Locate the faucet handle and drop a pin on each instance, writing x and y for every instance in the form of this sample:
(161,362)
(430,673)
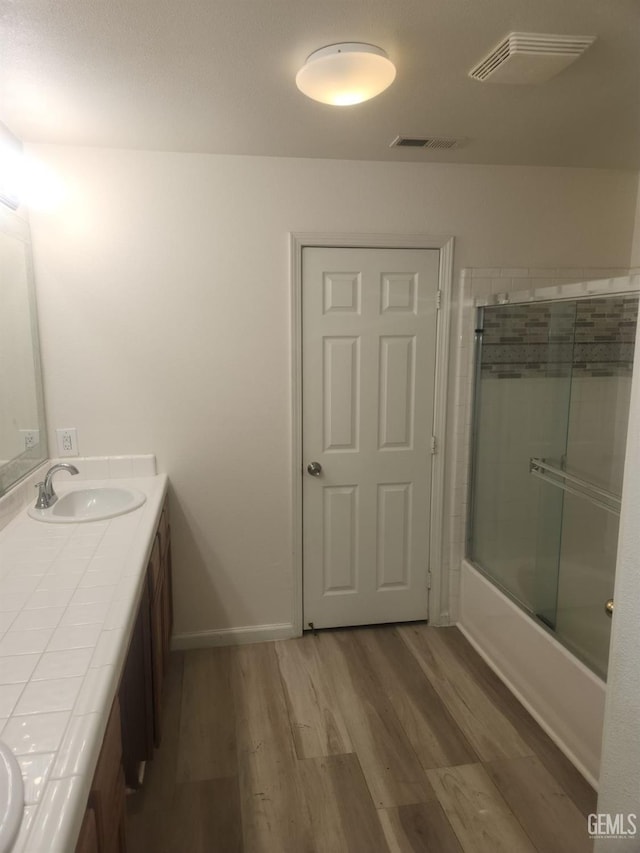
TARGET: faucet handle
(41,502)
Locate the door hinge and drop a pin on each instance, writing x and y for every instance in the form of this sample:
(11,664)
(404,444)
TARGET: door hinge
(438,300)
(434,445)
(428,580)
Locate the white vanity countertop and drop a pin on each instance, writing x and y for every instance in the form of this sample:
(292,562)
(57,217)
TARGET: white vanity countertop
(68,600)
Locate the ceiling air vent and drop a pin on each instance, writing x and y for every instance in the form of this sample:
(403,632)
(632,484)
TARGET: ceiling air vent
(530,58)
(434,142)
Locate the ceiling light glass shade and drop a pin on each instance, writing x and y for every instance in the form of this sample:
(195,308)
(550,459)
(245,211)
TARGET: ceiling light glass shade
(345,74)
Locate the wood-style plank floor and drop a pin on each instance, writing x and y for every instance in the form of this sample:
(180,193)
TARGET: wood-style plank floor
(365,740)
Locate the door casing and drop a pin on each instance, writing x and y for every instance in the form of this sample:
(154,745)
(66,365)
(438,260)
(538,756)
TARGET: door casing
(439,593)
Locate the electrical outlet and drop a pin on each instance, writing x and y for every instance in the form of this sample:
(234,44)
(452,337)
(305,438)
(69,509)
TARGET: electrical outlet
(31,438)
(67,441)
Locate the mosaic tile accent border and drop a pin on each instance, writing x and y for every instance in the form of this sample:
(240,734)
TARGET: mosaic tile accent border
(592,337)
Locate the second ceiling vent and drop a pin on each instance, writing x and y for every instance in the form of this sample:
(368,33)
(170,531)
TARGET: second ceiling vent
(441,143)
(530,57)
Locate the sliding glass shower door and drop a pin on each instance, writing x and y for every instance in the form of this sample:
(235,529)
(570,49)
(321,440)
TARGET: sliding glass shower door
(522,411)
(596,442)
(552,398)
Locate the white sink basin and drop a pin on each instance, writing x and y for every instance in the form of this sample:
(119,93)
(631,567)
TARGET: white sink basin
(90,505)
(11,798)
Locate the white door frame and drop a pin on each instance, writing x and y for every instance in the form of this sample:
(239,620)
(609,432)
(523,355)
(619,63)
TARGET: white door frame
(439,593)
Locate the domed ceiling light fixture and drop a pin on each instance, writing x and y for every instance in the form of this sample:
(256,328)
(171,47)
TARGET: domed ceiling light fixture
(346,74)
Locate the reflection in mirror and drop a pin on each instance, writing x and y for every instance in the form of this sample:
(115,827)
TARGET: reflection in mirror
(22,425)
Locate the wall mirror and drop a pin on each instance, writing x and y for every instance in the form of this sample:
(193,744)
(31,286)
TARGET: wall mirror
(23,439)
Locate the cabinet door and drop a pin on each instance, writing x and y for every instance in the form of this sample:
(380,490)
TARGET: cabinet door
(88,838)
(156,614)
(107,790)
(164,531)
(157,663)
(153,570)
(160,615)
(136,697)
(167,607)
(116,839)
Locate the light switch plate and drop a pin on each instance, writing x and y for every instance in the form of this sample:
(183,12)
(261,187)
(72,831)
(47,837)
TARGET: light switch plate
(67,439)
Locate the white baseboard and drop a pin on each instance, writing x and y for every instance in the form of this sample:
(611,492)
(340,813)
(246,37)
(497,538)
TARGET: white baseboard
(233,636)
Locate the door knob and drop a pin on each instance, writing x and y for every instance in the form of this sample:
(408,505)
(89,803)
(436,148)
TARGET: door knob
(608,607)
(314,468)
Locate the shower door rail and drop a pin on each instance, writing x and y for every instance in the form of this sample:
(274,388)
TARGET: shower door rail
(575,485)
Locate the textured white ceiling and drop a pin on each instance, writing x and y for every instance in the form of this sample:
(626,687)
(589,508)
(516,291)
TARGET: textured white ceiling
(218,76)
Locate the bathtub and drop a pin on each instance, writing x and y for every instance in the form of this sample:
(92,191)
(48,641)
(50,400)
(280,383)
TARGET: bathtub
(557,689)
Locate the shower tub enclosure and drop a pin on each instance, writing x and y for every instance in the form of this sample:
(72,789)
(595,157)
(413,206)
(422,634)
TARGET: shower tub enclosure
(552,391)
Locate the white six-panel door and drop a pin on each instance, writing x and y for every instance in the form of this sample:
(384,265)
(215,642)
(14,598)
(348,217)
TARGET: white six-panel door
(369,357)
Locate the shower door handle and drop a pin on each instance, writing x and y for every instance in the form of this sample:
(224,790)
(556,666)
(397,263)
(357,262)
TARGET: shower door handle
(608,607)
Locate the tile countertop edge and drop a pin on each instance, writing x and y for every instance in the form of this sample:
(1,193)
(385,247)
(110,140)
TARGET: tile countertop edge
(54,824)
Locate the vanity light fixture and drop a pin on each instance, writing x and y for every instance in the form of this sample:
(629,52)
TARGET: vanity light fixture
(346,74)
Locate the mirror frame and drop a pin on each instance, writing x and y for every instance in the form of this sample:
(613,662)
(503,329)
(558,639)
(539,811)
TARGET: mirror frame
(16,226)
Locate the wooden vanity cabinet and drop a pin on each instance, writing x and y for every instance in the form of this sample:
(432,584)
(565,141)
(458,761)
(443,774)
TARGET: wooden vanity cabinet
(142,685)
(161,616)
(88,838)
(107,797)
(136,697)
(135,721)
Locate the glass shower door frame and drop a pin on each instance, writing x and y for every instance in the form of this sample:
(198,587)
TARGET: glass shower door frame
(574,570)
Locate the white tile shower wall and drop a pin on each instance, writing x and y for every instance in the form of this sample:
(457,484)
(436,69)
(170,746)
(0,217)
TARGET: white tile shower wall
(474,285)
(90,468)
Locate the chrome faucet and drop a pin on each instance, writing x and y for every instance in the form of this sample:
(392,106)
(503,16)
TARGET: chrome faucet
(46,495)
